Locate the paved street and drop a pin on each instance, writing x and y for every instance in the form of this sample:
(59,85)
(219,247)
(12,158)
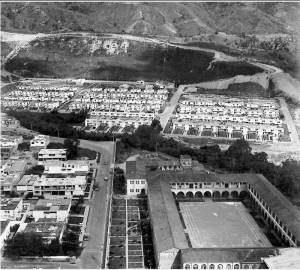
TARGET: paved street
(92,255)
(289,121)
(172,104)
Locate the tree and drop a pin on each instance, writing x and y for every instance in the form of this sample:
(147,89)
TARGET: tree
(70,244)
(54,248)
(24,146)
(71,144)
(24,244)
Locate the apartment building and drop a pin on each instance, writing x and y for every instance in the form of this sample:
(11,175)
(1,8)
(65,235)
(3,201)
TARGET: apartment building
(60,185)
(51,154)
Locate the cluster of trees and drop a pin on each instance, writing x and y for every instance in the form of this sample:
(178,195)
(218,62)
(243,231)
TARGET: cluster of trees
(55,123)
(237,159)
(119,182)
(32,244)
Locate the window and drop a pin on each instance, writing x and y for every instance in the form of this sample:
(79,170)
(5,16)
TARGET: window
(220,266)
(137,182)
(254,266)
(131,182)
(137,190)
(236,266)
(195,266)
(212,266)
(187,266)
(143,182)
(246,266)
(131,190)
(203,266)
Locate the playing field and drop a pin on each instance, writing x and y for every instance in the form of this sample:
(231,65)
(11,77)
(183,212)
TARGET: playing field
(221,224)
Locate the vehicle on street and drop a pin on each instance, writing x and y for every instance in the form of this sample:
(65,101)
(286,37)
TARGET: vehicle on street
(105,162)
(105,178)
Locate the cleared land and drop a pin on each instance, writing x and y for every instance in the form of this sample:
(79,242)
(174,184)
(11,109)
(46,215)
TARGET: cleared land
(221,224)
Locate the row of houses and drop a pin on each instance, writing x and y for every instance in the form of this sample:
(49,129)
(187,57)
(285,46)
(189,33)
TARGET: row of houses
(230,130)
(183,109)
(230,118)
(203,100)
(38,96)
(122,99)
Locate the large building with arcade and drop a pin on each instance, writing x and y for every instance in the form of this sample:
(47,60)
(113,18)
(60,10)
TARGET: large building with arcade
(199,219)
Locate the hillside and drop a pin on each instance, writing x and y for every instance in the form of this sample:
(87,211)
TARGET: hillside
(170,19)
(105,58)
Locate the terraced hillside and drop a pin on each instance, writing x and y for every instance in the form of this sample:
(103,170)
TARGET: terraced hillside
(106,58)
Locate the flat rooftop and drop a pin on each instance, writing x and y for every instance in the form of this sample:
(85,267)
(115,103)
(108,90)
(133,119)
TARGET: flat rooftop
(221,225)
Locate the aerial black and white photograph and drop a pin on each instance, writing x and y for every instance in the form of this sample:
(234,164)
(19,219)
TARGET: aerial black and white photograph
(150,135)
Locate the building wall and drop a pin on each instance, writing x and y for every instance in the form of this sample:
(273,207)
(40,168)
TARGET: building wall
(135,186)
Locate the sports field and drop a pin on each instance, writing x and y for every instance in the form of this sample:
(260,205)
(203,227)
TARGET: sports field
(221,224)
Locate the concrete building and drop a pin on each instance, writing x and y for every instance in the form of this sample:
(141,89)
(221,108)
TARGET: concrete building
(40,142)
(186,161)
(8,184)
(26,184)
(11,208)
(10,141)
(78,167)
(54,208)
(51,155)
(60,185)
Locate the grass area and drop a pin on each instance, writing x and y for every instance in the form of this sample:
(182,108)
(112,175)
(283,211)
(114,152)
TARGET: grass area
(206,141)
(8,88)
(118,215)
(242,90)
(144,60)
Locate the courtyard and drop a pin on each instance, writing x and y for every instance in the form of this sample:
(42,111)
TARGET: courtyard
(221,225)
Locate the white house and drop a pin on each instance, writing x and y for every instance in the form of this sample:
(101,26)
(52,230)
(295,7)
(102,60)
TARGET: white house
(54,208)
(135,178)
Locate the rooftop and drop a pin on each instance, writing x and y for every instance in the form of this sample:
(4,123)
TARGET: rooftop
(28,180)
(135,170)
(289,258)
(15,166)
(53,151)
(52,205)
(3,225)
(167,226)
(46,229)
(10,204)
(76,180)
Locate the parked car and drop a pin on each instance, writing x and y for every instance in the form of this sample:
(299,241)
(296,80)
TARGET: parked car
(105,178)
